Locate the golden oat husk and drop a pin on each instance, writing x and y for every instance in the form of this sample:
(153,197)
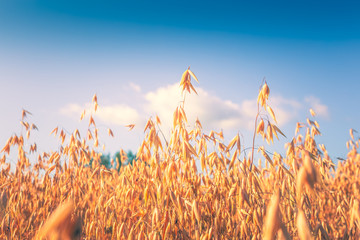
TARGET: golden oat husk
(260,127)
(303,226)
(312,112)
(272,218)
(162,195)
(60,224)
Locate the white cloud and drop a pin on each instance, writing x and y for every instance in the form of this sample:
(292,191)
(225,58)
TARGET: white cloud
(118,114)
(285,109)
(71,110)
(135,87)
(320,109)
(215,113)
(163,101)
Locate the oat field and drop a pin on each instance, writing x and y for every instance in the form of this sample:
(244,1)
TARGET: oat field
(193,185)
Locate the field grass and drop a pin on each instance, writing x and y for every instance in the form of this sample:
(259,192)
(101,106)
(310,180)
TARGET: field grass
(300,194)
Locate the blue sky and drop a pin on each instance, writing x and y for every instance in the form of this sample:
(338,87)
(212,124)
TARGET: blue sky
(54,55)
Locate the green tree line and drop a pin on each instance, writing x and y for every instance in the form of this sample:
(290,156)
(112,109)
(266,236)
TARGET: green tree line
(116,160)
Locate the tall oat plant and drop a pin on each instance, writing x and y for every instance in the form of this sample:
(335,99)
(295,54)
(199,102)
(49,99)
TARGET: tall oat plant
(300,194)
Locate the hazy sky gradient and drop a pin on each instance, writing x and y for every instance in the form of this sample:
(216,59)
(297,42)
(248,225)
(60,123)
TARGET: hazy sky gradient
(55,55)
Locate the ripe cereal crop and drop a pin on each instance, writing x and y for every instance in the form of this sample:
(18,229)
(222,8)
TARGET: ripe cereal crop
(300,194)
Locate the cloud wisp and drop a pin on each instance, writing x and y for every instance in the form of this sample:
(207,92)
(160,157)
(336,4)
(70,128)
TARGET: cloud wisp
(214,112)
(320,109)
(116,114)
